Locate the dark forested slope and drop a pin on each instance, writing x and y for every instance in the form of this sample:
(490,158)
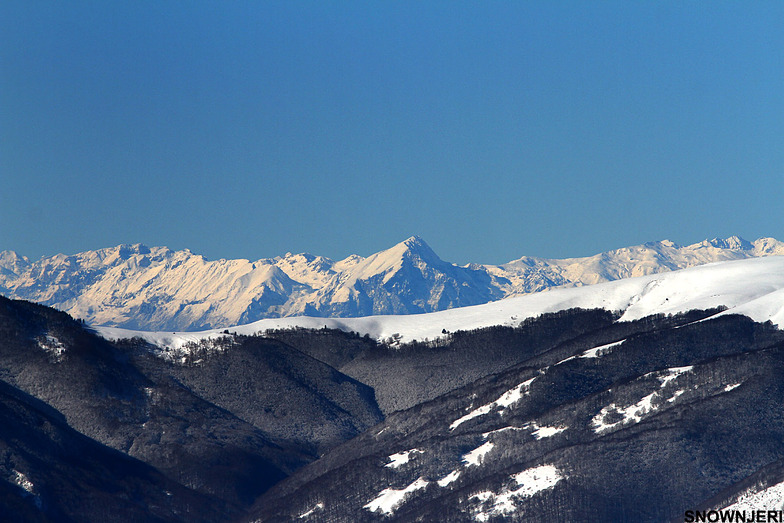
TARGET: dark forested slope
(573,416)
(230,426)
(641,429)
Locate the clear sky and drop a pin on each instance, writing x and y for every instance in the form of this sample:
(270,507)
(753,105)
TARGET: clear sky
(491,129)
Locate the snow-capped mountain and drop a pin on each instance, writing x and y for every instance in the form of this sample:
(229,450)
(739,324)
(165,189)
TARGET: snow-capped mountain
(752,287)
(528,274)
(138,287)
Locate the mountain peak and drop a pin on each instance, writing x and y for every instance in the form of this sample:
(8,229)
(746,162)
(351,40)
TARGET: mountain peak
(127,250)
(415,246)
(415,243)
(735,243)
(12,263)
(12,256)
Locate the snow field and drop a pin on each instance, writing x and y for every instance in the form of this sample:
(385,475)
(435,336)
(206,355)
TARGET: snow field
(390,499)
(529,482)
(771,498)
(401,458)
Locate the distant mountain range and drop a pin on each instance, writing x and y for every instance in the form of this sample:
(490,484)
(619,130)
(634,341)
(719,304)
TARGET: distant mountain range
(138,287)
(753,287)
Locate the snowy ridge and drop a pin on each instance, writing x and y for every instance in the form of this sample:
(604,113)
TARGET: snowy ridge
(753,287)
(155,288)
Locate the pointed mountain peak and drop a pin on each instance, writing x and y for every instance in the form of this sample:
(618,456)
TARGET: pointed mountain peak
(12,264)
(13,256)
(415,246)
(389,261)
(768,246)
(413,243)
(414,240)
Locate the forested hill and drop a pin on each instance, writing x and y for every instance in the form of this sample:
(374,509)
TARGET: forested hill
(573,415)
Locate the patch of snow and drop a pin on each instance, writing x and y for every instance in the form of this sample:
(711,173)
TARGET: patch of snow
(762,308)
(481,411)
(449,478)
(52,346)
(632,413)
(671,374)
(635,413)
(514,395)
(401,458)
(570,358)
(390,499)
(308,513)
(476,456)
(497,431)
(21,480)
(530,482)
(536,480)
(546,432)
(771,498)
(506,400)
(538,432)
(182,350)
(675,396)
(601,350)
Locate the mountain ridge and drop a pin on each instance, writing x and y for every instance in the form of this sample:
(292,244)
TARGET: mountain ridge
(752,287)
(155,288)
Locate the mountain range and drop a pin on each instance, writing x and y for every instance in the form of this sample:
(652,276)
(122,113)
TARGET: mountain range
(753,288)
(641,399)
(138,287)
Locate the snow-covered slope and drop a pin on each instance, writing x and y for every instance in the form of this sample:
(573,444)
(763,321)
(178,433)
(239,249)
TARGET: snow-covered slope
(137,287)
(528,275)
(753,287)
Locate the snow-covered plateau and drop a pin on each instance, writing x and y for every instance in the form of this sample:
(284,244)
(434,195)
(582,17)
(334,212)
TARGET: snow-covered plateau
(752,287)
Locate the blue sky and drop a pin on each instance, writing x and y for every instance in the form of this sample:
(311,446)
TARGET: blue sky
(491,129)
